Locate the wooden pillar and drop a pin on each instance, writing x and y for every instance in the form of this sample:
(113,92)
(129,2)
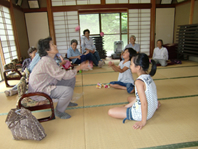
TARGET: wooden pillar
(191,11)
(51,20)
(152,27)
(15,31)
(103,2)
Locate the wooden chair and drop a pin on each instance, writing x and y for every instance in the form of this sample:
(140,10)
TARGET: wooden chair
(11,73)
(33,105)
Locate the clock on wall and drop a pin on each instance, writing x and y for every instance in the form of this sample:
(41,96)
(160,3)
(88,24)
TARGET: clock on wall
(33,4)
(19,2)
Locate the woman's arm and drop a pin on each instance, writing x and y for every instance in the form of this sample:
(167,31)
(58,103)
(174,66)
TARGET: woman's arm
(144,105)
(165,54)
(75,57)
(93,46)
(63,62)
(56,72)
(138,48)
(83,44)
(153,53)
(69,54)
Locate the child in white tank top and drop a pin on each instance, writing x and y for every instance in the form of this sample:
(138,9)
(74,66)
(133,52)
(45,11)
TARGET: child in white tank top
(144,104)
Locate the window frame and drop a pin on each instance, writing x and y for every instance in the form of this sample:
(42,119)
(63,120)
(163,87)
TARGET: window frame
(100,23)
(7,35)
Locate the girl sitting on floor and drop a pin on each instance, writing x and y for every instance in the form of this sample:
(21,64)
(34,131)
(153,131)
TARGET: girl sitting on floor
(143,106)
(125,78)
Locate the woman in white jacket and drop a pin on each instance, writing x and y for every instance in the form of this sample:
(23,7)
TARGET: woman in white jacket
(160,54)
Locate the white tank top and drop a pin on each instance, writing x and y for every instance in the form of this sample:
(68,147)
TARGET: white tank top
(151,96)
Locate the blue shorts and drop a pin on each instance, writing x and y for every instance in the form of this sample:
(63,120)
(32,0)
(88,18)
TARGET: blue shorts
(129,86)
(128,115)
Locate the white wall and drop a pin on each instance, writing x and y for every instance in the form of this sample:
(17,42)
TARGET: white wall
(165,24)
(37,27)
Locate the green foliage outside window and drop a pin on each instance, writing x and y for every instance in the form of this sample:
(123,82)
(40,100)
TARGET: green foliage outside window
(110,25)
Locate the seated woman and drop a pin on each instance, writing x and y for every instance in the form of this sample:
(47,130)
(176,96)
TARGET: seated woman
(133,45)
(160,54)
(74,54)
(49,78)
(88,46)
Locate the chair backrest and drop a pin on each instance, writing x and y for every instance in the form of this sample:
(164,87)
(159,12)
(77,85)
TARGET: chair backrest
(9,66)
(15,61)
(22,87)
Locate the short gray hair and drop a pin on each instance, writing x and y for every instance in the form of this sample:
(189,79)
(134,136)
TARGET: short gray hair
(133,36)
(31,49)
(74,41)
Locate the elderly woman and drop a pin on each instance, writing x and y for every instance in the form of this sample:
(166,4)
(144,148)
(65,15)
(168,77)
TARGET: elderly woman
(88,46)
(49,78)
(160,54)
(74,54)
(133,45)
(31,52)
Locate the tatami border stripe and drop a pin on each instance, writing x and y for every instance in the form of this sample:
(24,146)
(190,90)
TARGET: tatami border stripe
(175,146)
(157,68)
(111,104)
(153,79)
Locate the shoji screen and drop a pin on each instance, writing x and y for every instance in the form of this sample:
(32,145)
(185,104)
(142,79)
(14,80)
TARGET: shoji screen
(64,24)
(139,25)
(127,1)
(6,35)
(139,1)
(74,2)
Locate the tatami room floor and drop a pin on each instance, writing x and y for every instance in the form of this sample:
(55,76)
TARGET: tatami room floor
(174,125)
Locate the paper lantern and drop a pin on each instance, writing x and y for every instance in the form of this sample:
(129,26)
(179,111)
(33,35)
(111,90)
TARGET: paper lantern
(77,28)
(101,34)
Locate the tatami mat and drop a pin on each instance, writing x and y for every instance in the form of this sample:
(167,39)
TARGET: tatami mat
(60,134)
(3,86)
(179,71)
(174,123)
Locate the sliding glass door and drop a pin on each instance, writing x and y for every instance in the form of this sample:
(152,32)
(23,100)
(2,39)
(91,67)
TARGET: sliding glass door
(114,26)
(110,25)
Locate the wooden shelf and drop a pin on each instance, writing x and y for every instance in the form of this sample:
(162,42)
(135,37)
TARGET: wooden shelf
(187,38)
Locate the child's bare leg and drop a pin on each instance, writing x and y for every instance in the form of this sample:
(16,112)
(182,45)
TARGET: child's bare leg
(159,104)
(131,98)
(118,86)
(133,91)
(117,112)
